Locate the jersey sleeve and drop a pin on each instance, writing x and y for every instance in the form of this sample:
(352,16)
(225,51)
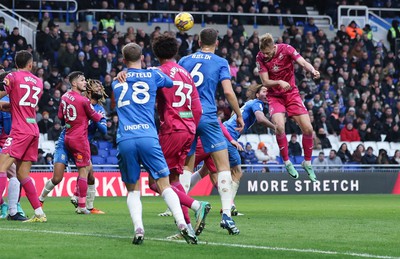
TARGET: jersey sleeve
(8,81)
(224,72)
(102,124)
(162,80)
(292,52)
(257,106)
(262,68)
(91,112)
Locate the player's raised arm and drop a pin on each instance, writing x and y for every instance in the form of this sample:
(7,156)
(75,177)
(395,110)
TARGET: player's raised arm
(308,67)
(260,117)
(231,97)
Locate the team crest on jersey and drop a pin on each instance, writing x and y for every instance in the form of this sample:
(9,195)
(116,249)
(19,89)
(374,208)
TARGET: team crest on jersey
(275,68)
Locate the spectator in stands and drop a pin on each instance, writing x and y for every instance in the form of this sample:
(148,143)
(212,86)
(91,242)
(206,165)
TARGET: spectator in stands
(393,135)
(54,132)
(310,26)
(344,153)
(45,123)
(342,35)
(358,153)
(383,158)
(40,159)
(333,159)
(349,133)
(322,139)
(396,158)
(325,124)
(249,155)
(320,163)
(294,147)
(263,155)
(16,39)
(4,30)
(107,22)
(49,159)
(353,30)
(393,34)
(369,158)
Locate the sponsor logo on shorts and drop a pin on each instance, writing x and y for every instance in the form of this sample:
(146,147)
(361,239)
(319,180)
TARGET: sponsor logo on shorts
(136,127)
(218,144)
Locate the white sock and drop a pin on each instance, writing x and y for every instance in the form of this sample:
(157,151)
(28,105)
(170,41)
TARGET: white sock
(172,200)
(225,191)
(91,194)
(194,179)
(185,180)
(287,162)
(13,195)
(235,187)
(307,162)
(48,187)
(135,209)
(195,205)
(39,211)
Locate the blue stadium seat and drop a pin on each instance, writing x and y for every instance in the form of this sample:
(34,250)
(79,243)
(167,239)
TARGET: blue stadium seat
(113,152)
(298,160)
(104,145)
(112,160)
(103,153)
(98,160)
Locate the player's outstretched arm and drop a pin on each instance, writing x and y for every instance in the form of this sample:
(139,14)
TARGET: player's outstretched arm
(260,117)
(231,97)
(308,67)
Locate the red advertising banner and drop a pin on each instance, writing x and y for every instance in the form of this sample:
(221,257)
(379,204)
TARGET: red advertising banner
(107,184)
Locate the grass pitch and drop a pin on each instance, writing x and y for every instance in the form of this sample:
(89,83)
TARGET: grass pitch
(286,226)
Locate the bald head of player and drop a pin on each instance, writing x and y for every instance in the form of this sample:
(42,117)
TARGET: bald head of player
(132,54)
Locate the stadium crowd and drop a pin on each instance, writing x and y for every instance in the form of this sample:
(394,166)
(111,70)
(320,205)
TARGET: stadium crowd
(356,98)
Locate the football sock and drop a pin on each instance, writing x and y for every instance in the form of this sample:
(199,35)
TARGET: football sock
(91,194)
(307,142)
(188,201)
(3,183)
(31,193)
(82,191)
(185,180)
(283,146)
(225,191)
(48,187)
(194,179)
(235,187)
(172,201)
(135,208)
(13,195)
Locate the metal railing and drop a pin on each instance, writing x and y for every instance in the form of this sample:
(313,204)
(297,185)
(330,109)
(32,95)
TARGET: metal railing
(258,168)
(380,10)
(256,16)
(26,27)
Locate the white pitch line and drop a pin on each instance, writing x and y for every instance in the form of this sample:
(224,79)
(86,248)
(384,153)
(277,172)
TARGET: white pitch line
(314,251)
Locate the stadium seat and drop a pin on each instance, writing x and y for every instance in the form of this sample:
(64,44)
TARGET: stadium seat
(335,146)
(48,146)
(103,153)
(242,139)
(394,145)
(112,160)
(315,152)
(113,152)
(267,138)
(253,138)
(354,144)
(333,139)
(327,151)
(298,160)
(98,160)
(104,145)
